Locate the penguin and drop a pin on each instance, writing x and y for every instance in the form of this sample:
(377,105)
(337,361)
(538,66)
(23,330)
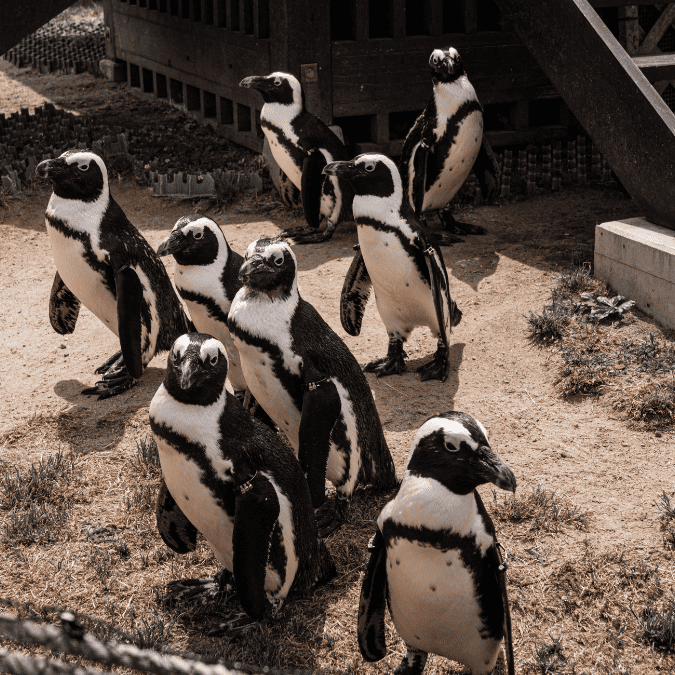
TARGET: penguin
(400,259)
(308,382)
(435,557)
(443,145)
(104,263)
(302,145)
(207,278)
(229,477)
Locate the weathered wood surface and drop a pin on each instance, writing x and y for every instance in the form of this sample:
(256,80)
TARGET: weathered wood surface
(392,75)
(624,3)
(656,68)
(604,88)
(20,19)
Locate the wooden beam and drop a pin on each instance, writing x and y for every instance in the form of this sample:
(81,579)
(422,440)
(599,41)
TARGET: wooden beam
(623,3)
(657,30)
(658,67)
(611,98)
(629,28)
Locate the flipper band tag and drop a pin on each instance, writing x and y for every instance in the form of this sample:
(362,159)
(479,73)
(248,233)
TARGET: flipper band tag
(315,385)
(245,487)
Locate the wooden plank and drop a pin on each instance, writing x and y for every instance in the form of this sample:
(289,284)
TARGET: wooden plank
(470,12)
(397,18)
(656,68)
(611,98)
(203,52)
(434,16)
(389,79)
(623,3)
(629,28)
(361,29)
(657,30)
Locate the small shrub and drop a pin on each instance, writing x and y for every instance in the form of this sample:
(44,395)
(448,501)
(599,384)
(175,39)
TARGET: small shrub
(658,624)
(146,459)
(39,524)
(549,326)
(142,498)
(549,657)
(667,518)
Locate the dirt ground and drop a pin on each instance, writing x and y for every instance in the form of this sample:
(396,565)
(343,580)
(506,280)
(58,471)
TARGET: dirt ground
(580,449)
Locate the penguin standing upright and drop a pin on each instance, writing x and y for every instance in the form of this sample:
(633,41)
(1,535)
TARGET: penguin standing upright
(103,263)
(307,381)
(402,262)
(443,145)
(207,278)
(302,145)
(435,558)
(230,477)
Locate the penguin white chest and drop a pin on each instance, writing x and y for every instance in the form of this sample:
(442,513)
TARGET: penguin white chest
(457,163)
(404,299)
(433,604)
(184,479)
(86,284)
(282,156)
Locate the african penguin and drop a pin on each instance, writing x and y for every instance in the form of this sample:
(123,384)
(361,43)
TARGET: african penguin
(443,144)
(435,557)
(104,263)
(228,476)
(302,145)
(207,278)
(307,381)
(402,262)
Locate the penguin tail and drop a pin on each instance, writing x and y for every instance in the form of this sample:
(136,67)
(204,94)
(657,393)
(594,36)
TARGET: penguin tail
(380,470)
(325,568)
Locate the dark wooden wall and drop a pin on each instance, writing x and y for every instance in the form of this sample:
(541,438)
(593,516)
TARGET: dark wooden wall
(363,63)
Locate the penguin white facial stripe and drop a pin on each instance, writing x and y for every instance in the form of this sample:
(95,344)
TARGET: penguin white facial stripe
(285,522)
(85,158)
(212,348)
(453,429)
(196,227)
(180,345)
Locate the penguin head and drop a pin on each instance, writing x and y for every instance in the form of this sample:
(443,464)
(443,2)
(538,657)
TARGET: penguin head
(445,65)
(453,448)
(196,369)
(80,175)
(281,88)
(369,174)
(194,240)
(269,267)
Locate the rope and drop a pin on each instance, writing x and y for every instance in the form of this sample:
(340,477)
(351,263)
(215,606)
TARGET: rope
(20,664)
(88,647)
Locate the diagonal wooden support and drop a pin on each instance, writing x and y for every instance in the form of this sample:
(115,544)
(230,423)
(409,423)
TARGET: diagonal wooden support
(657,30)
(620,110)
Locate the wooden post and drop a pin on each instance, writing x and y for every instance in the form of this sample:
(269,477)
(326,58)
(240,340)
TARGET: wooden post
(361,29)
(629,28)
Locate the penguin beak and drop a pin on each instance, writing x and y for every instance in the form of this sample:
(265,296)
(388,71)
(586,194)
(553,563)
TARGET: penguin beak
(174,243)
(495,470)
(52,168)
(258,82)
(188,370)
(341,169)
(254,267)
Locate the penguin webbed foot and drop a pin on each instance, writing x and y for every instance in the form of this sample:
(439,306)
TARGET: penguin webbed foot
(456,227)
(331,515)
(293,232)
(413,662)
(391,364)
(110,363)
(204,588)
(113,383)
(438,368)
(240,622)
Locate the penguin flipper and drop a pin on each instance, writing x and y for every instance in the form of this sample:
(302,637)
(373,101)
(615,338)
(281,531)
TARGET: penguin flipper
(354,296)
(420,158)
(129,296)
(64,307)
(321,407)
(311,187)
(256,513)
(486,168)
(371,635)
(501,566)
(178,533)
(443,305)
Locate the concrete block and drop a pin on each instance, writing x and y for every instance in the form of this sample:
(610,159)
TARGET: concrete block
(637,258)
(112,70)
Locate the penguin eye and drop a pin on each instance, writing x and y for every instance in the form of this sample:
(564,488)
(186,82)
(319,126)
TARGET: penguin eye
(278,259)
(370,166)
(277,82)
(450,446)
(83,167)
(197,235)
(214,359)
(435,60)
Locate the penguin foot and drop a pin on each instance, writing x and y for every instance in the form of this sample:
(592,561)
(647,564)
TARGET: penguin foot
(294,232)
(446,239)
(456,227)
(110,385)
(438,368)
(235,625)
(332,514)
(315,238)
(106,365)
(205,588)
(413,662)
(392,363)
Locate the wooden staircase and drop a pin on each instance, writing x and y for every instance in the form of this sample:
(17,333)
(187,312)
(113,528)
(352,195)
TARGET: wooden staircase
(606,84)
